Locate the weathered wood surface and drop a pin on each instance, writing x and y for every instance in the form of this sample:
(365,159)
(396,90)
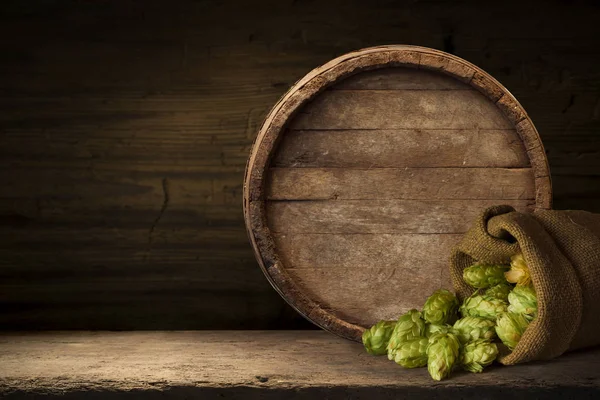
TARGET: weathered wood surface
(103,100)
(401,183)
(379,216)
(400,109)
(258,364)
(396,256)
(400,79)
(361,251)
(374,276)
(401,148)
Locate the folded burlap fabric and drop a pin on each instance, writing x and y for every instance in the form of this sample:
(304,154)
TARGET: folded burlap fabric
(562,250)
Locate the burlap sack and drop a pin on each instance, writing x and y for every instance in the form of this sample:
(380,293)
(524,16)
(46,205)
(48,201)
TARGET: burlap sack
(562,250)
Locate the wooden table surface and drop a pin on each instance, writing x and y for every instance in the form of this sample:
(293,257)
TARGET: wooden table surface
(257,364)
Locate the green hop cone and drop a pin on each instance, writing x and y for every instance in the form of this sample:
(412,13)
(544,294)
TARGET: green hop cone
(442,354)
(483,306)
(409,326)
(523,300)
(510,327)
(499,291)
(412,353)
(483,276)
(431,329)
(478,354)
(468,329)
(440,307)
(377,337)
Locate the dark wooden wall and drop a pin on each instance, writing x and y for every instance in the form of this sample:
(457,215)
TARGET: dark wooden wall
(125,127)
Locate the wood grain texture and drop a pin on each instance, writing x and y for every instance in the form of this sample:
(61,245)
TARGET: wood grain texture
(402,109)
(379,216)
(357,251)
(401,183)
(400,79)
(136,92)
(257,365)
(364,271)
(366,293)
(401,148)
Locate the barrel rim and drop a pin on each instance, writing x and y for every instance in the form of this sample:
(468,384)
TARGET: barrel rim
(309,87)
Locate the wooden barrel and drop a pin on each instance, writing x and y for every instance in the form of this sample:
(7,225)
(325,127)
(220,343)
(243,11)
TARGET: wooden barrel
(368,170)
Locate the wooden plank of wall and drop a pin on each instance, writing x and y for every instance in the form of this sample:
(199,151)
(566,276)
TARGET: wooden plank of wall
(102,101)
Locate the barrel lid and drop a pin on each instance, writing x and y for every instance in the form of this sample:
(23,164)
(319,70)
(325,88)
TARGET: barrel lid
(368,170)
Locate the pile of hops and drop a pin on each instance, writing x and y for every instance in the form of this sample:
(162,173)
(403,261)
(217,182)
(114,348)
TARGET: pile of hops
(500,309)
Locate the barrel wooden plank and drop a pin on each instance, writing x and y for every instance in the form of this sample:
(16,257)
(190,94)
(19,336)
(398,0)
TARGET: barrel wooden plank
(369,294)
(400,183)
(379,216)
(376,109)
(400,78)
(403,262)
(356,251)
(401,148)
(329,267)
